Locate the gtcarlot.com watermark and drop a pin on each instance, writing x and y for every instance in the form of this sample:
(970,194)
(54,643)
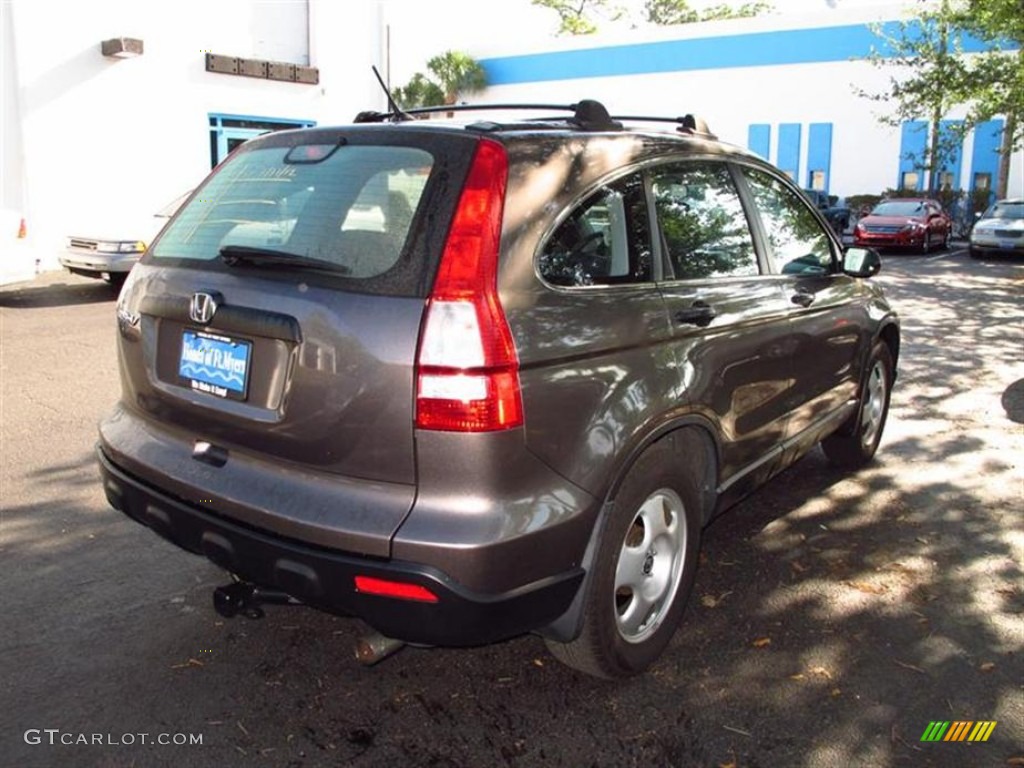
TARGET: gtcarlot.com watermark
(56,737)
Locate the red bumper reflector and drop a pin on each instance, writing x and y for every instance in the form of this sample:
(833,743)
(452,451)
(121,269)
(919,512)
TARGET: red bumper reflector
(398,589)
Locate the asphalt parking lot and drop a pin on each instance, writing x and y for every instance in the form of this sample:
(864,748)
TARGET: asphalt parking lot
(834,617)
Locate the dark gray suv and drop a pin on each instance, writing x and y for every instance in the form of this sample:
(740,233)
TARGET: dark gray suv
(466,380)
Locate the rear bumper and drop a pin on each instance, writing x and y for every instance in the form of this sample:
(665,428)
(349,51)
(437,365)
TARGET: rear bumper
(325,578)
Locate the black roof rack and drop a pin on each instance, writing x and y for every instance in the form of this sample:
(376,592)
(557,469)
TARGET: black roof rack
(587,114)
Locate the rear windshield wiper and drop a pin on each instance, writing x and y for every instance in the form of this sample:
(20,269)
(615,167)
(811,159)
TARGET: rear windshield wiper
(244,255)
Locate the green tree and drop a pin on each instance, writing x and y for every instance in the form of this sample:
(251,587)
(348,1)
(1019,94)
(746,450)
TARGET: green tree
(580,17)
(457,73)
(680,12)
(934,75)
(992,83)
(418,92)
(925,54)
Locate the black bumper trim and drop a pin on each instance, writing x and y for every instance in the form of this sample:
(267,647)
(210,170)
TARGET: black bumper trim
(325,578)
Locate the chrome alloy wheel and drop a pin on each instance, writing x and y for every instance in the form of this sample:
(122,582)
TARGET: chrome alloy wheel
(873,408)
(650,565)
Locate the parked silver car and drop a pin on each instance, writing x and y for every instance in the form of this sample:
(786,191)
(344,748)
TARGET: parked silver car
(1000,230)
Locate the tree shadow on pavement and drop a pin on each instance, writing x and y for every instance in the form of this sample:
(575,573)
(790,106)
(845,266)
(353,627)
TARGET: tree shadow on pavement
(833,618)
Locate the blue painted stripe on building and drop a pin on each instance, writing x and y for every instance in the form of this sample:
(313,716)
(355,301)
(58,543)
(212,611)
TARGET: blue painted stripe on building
(788,159)
(759,139)
(913,144)
(756,49)
(819,152)
(985,156)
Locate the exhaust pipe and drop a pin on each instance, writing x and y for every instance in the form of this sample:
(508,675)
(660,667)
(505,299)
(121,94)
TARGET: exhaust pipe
(241,597)
(374,647)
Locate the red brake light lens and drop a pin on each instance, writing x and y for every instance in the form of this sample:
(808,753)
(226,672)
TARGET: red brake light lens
(467,368)
(398,589)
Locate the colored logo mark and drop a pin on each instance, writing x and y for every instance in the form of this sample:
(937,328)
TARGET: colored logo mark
(958,730)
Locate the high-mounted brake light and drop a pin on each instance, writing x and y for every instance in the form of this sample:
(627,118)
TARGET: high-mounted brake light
(401,590)
(467,376)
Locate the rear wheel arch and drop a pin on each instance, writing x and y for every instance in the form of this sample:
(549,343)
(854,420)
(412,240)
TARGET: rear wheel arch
(687,436)
(622,618)
(890,336)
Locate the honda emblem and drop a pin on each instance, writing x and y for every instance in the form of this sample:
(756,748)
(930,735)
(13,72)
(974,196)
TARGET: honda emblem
(202,308)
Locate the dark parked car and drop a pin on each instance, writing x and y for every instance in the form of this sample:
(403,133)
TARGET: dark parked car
(832,208)
(466,380)
(916,223)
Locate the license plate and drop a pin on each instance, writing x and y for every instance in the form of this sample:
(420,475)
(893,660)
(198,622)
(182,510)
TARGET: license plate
(217,365)
(1007,245)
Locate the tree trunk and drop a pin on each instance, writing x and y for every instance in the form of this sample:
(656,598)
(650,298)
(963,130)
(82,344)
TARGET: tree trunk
(1005,154)
(933,155)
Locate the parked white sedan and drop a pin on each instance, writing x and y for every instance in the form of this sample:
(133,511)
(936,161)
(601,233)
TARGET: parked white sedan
(111,255)
(1000,230)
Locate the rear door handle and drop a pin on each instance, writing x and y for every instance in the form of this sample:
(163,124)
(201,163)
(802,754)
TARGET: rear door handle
(700,313)
(803,298)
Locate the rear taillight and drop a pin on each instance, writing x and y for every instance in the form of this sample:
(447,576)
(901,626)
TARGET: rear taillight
(22,230)
(467,377)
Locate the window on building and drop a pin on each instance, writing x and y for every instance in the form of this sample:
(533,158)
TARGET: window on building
(818,180)
(983,181)
(909,180)
(946,180)
(227,132)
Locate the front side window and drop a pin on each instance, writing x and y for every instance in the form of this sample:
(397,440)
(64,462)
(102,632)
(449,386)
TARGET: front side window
(605,241)
(347,209)
(796,242)
(704,230)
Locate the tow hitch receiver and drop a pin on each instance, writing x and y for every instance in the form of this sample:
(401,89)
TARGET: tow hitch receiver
(240,597)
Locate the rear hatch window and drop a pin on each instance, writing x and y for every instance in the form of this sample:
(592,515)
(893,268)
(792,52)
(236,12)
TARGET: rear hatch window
(316,204)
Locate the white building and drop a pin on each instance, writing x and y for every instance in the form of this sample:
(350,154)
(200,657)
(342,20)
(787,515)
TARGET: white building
(95,140)
(95,144)
(785,86)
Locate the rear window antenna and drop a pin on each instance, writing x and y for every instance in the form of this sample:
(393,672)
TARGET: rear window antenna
(396,111)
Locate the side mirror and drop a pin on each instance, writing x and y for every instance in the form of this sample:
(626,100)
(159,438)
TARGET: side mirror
(861,262)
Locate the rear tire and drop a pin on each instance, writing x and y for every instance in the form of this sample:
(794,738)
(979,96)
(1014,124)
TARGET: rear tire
(644,569)
(855,443)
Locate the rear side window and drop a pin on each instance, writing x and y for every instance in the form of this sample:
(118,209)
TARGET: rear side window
(606,240)
(349,207)
(703,227)
(797,242)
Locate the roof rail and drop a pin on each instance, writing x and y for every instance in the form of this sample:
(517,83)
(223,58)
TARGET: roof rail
(380,117)
(691,124)
(588,114)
